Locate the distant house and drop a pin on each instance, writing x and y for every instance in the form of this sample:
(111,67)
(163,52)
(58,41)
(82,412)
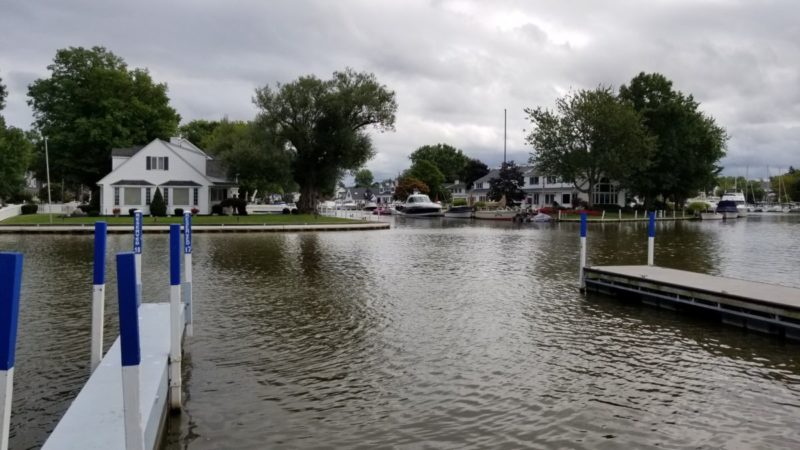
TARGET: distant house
(458,190)
(186,176)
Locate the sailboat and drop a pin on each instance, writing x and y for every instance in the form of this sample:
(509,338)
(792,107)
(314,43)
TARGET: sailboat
(501,210)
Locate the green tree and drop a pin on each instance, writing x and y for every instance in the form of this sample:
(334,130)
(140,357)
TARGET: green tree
(448,159)
(508,183)
(688,143)
(325,125)
(198,131)
(428,173)
(473,170)
(364,178)
(91,103)
(158,207)
(251,154)
(592,135)
(3,95)
(406,185)
(15,154)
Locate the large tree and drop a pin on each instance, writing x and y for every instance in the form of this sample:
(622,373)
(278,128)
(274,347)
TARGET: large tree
(364,178)
(406,185)
(448,159)
(508,184)
(325,124)
(688,143)
(198,131)
(428,173)
(91,103)
(15,154)
(592,135)
(473,169)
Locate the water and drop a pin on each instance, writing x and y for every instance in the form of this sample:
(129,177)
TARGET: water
(435,334)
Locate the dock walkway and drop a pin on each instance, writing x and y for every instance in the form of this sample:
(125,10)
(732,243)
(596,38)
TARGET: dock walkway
(126,229)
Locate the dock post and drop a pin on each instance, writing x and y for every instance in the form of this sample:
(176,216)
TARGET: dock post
(583,251)
(10,283)
(636,214)
(98,293)
(137,250)
(130,350)
(176,330)
(651,239)
(603,217)
(187,271)
(619,211)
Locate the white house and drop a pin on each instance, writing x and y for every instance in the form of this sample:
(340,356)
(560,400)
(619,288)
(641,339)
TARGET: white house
(186,176)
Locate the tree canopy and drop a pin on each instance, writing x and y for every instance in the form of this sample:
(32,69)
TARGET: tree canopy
(428,173)
(3,95)
(364,178)
(199,131)
(449,160)
(591,135)
(15,154)
(91,103)
(508,183)
(406,185)
(688,144)
(473,170)
(324,123)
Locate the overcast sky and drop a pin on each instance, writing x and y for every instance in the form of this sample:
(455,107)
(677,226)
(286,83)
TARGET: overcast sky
(454,65)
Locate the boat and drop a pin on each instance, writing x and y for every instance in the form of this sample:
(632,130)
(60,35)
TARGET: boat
(710,215)
(737,197)
(419,205)
(496,214)
(271,208)
(459,212)
(728,209)
(542,217)
(370,206)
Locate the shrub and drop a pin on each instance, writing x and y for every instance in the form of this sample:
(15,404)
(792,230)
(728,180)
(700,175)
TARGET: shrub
(94,213)
(286,211)
(131,211)
(696,207)
(459,202)
(238,204)
(157,206)
(479,205)
(216,209)
(179,212)
(295,211)
(195,211)
(29,208)
(21,197)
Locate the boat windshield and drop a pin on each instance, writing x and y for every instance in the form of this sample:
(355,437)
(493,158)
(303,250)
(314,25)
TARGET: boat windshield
(419,198)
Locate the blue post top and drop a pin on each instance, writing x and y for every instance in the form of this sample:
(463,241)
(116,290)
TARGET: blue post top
(187,232)
(100,234)
(651,227)
(128,309)
(10,283)
(137,232)
(174,254)
(583,224)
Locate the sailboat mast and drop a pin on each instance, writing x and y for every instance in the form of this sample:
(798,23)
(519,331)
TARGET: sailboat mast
(505,128)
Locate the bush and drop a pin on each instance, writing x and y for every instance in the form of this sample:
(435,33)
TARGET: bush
(216,209)
(29,208)
(157,206)
(295,211)
(21,197)
(286,211)
(131,211)
(94,213)
(179,212)
(195,211)
(459,202)
(696,207)
(238,204)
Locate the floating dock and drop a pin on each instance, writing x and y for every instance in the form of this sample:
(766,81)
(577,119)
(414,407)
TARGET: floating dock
(758,306)
(232,228)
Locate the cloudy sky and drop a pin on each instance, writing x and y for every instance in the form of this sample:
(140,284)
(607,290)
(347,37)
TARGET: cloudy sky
(454,65)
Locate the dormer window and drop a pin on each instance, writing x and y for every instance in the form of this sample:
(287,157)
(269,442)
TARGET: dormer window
(157,163)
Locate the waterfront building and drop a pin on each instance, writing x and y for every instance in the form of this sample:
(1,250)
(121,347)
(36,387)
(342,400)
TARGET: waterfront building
(186,176)
(458,190)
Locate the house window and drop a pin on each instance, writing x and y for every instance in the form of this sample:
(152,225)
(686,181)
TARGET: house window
(566,199)
(116,196)
(534,181)
(218,194)
(133,196)
(536,198)
(549,199)
(166,196)
(180,196)
(146,196)
(552,180)
(196,196)
(605,193)
(157,163)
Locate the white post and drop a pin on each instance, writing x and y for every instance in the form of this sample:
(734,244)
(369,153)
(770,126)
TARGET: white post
(47,168)
(132,409)
(187,272)
(6,391)
(620,214)
(98,294)
(137,250)
(175,319)
(130,351)
(603,217)
(651,239)
(636,214)
(582,262)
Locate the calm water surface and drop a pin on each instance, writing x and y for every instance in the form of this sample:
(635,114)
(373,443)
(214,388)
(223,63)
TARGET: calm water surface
(435,334)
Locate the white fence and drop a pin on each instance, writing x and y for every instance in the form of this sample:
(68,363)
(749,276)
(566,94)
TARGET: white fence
(10,211)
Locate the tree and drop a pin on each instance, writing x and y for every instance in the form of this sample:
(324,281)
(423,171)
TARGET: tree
(688,143)
(473,170)
(198,131)
(508,183)
(3,95)
(324,123)
(406,185)
(92,103)
(158,207)
(15,154)
(593,135)
(429,174)
(448,159)
(364,178)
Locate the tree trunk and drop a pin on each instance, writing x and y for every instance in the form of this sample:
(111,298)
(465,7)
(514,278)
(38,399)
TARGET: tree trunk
(308,199)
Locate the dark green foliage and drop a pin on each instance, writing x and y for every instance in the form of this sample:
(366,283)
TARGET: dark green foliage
(428,173)
(94,203)
(324,123)
(238,204)
(449,160)
(29,208)
(198,132)
(3,95)
(132,211)
(20,197)
(406,186)
(508,183)
(178,212)
(16,152)
(216,209)
(91,103)
(157,206)
(473,170)
(364,178)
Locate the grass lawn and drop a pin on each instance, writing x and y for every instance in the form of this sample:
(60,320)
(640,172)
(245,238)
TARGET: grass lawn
(253,219)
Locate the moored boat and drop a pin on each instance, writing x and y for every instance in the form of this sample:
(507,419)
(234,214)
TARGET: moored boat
(728,209)
(495,214)
(738,199)
(459,212)
(419,205)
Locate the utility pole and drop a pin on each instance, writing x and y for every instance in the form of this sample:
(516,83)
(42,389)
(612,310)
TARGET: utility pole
(49,198)
(505,128)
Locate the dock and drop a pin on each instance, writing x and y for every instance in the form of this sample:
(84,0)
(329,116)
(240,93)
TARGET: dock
(752,305)
(233,228)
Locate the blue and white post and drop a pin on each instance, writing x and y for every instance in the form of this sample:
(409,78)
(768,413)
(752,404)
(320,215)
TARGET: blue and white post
(10,283)
(187,271)
(583,251)
(651,238)
(130,350)
(137,251)
(98,292)
(176,330)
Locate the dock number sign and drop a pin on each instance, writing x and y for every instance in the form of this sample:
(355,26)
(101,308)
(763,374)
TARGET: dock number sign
(187,233)
(137,232)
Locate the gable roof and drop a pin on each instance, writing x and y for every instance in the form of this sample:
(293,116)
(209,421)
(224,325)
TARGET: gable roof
(126,152)
(132,183)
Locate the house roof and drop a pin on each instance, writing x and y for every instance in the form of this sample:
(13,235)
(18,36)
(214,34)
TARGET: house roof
(494,173)
(216,169)
(181,183)
(126,152)
(132,183)
(455,185)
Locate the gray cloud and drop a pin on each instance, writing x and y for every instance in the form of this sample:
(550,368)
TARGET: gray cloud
(454,64)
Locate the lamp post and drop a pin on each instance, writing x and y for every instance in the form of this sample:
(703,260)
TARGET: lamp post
(47,165)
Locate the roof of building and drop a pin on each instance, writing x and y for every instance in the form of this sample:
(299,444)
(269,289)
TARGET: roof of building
(181,183)
(132,183)
(494,173)
(455,185)
(216,169)
(126,152)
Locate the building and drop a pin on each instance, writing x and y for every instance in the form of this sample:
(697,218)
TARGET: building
(186,176)
(458,190)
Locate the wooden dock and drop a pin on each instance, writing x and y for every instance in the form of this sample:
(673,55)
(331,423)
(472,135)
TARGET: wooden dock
(758,306)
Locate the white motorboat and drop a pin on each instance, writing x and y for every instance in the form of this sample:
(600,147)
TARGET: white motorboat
(710,215)
(738,198)
(728,209)
(419,205)
(459,212)
(271,208)
(542,217)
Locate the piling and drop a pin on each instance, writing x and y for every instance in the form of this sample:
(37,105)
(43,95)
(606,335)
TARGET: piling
(187,271)
(651,238)
(10,283)
(130,350)
(137,250)
(98,293)
(176,330)
(583,250)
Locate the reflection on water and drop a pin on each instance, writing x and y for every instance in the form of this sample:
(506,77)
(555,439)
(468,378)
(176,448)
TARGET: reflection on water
(437,333)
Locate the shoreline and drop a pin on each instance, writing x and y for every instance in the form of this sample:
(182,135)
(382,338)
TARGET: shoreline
(222,228)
